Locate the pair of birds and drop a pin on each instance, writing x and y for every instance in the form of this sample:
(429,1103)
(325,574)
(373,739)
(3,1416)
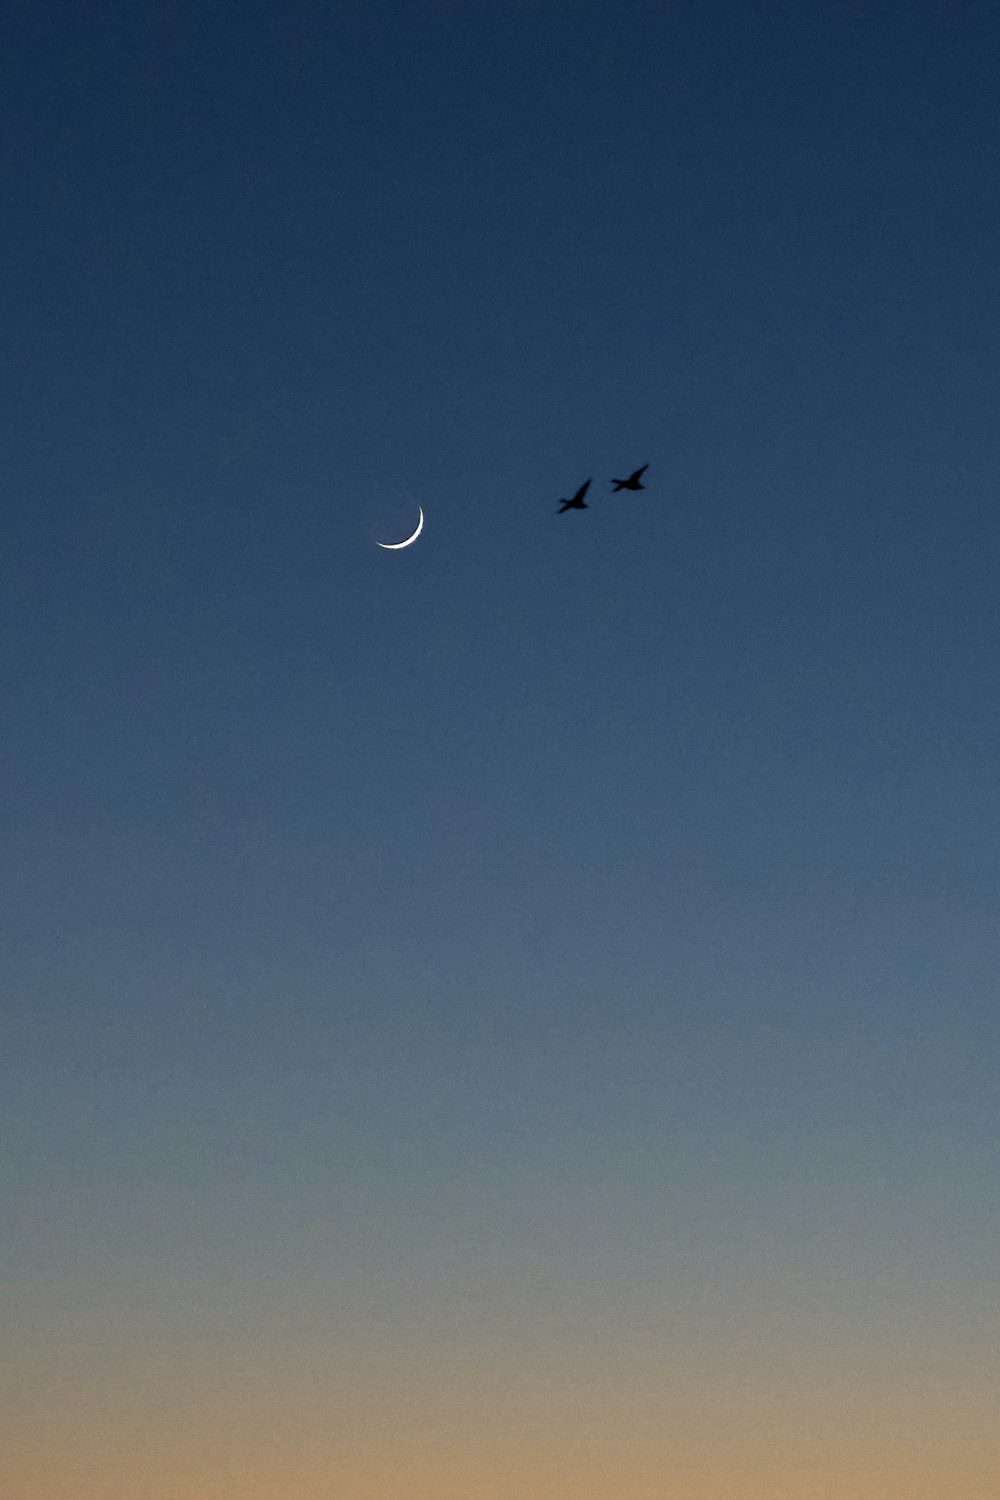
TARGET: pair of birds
(633,482)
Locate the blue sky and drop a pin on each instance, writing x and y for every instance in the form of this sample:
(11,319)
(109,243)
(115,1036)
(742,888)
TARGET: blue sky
(563,887)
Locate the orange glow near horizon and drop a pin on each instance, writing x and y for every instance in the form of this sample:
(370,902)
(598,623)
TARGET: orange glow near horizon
(765,1415)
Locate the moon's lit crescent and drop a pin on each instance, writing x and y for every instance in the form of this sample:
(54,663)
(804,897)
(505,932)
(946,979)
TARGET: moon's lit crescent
(395,546)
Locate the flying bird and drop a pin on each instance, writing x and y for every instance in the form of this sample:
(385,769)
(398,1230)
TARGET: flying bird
(632,482)
(577,502)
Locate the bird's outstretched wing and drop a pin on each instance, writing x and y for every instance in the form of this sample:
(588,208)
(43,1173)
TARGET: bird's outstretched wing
(582,490)
(639,472)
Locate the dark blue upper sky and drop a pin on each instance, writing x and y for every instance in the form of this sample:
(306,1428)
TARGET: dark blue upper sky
(699,784)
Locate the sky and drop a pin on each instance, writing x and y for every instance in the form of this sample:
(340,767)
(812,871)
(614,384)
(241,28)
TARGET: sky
(513,1018)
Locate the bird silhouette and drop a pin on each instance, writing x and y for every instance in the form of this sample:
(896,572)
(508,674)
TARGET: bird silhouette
(577,502)
(632,482)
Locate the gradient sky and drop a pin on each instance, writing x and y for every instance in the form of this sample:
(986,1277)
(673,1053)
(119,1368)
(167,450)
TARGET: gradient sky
(513,1019)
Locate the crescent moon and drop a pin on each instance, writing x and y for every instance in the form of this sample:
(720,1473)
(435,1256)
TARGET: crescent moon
(395,546)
